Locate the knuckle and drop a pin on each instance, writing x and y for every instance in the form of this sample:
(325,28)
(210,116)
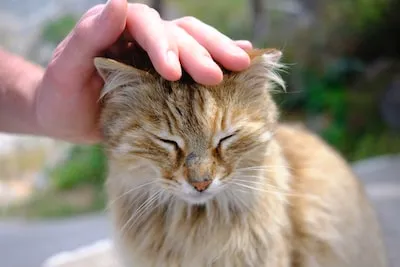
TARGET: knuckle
(141,11)
(59,50)
(154,12)
(142,8)
(80,31)
(187,20)
(138,6)
(56,54)
(172,28)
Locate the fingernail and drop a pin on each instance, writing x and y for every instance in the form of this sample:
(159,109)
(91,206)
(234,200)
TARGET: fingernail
(107,5)
(173,60)
(236,51)
(244,44)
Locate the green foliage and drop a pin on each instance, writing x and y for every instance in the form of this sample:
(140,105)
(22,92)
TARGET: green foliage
(55,31)
(327,98)
(85,165)
(228,16)
(371,145)
(361,13)
(348,119)
(77,187)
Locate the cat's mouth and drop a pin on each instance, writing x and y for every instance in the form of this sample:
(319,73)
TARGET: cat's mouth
(194,197)
(199,198)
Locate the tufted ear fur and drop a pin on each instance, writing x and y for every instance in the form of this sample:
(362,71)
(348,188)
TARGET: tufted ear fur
(263,71)
(116,74)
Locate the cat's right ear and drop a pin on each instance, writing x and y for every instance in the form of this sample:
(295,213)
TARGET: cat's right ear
(116,74)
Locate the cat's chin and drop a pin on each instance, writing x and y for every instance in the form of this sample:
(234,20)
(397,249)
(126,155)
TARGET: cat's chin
(197,198)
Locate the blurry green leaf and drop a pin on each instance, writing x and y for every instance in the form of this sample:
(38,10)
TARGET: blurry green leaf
(55,31)
(228,16)
(86,165)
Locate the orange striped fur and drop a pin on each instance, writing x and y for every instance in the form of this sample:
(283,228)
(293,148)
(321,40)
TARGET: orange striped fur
(272,195)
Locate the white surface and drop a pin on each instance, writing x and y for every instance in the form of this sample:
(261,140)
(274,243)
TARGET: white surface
(99,253)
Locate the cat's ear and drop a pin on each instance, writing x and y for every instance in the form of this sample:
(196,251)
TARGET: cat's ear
(116,74)
(269,54)
(264,69)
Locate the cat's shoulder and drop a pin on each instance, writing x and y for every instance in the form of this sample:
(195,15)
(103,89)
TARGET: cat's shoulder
(297,140)
(314,163)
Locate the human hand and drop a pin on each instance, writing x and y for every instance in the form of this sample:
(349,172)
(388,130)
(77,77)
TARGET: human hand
(66,99)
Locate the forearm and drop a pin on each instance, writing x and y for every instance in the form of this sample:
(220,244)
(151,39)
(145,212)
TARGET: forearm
(18,82)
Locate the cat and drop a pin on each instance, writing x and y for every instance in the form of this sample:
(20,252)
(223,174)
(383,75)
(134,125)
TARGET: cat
(208,176)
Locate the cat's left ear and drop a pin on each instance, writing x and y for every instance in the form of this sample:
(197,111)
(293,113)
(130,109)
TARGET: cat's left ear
(264,69)
(116,74)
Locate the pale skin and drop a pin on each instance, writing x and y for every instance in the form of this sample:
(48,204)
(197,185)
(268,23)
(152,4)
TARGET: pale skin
(61,101)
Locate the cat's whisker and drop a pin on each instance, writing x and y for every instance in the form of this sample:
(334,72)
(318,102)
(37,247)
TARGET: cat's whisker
(272,192)
(255,167)
(249,187)
(260,180)
(129,192)
(148,208)
(245,181)
(256,183)
(237,198)
(141,195)
(260,173)
(242,190)
(260,168)
(137,214)
(238,176)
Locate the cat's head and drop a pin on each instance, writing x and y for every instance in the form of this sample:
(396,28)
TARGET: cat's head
(194,137)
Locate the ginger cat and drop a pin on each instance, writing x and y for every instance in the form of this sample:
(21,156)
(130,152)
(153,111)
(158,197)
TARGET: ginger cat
(206,176)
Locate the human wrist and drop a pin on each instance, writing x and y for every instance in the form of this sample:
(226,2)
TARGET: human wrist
(19,80)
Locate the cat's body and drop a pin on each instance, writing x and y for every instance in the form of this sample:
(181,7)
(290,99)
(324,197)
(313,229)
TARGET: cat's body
(265,194)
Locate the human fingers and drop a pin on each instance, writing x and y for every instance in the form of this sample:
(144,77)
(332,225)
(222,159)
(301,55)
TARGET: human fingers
(148,30)
(194,58)
(221,48)
(244,44)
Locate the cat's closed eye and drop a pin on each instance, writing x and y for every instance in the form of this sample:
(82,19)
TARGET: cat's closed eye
(225,139)
(169,142)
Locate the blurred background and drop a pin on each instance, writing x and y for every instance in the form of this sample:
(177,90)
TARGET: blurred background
(343,83)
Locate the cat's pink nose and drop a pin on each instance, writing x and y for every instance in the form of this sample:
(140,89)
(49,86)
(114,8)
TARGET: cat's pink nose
(201,186)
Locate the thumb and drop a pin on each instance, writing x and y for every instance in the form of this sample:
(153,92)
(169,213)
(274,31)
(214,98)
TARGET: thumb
(97,30)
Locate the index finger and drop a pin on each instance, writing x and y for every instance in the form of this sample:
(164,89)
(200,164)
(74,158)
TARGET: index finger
(148,30)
